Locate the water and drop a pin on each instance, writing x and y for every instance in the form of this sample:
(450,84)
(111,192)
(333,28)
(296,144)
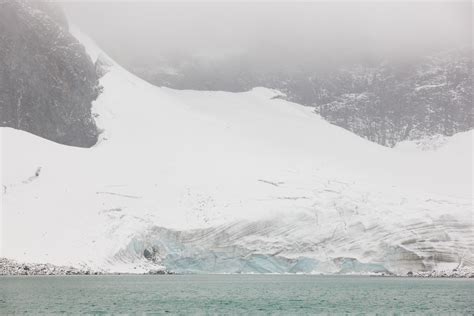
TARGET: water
(234,294)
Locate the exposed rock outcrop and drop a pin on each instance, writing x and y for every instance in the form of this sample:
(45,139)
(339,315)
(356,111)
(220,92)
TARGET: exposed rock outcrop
(12,267)
(47,80)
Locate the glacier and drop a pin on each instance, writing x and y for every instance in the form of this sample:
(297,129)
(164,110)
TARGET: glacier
(218,182)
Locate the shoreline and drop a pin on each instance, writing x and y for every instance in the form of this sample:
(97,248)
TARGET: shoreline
(13,268)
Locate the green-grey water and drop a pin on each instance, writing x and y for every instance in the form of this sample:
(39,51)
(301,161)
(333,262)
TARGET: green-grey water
(234,294)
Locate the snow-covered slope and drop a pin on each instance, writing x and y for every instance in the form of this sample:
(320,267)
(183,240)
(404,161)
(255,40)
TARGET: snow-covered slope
(224,182)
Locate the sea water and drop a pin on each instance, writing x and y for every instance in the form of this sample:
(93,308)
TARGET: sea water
(233,294)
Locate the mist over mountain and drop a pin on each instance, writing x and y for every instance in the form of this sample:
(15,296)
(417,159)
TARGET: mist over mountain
(387,102)
(277,36)
(386,71)
(403,73)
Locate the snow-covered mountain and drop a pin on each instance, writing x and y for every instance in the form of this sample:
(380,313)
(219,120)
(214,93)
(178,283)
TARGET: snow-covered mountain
(385,101)
(232,183)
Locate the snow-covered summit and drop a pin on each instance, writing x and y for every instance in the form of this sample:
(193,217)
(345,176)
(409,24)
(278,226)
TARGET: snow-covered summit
(230,182)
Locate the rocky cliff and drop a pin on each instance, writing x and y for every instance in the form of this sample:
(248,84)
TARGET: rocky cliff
(47,81)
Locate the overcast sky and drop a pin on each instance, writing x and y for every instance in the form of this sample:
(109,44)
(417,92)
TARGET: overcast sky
(273,32)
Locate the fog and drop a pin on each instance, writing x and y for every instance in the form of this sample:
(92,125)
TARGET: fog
(318,33)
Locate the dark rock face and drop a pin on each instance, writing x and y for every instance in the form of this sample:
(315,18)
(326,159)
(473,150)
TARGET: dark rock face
(395,102)
(384,101)
(47,80)
(152,254)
